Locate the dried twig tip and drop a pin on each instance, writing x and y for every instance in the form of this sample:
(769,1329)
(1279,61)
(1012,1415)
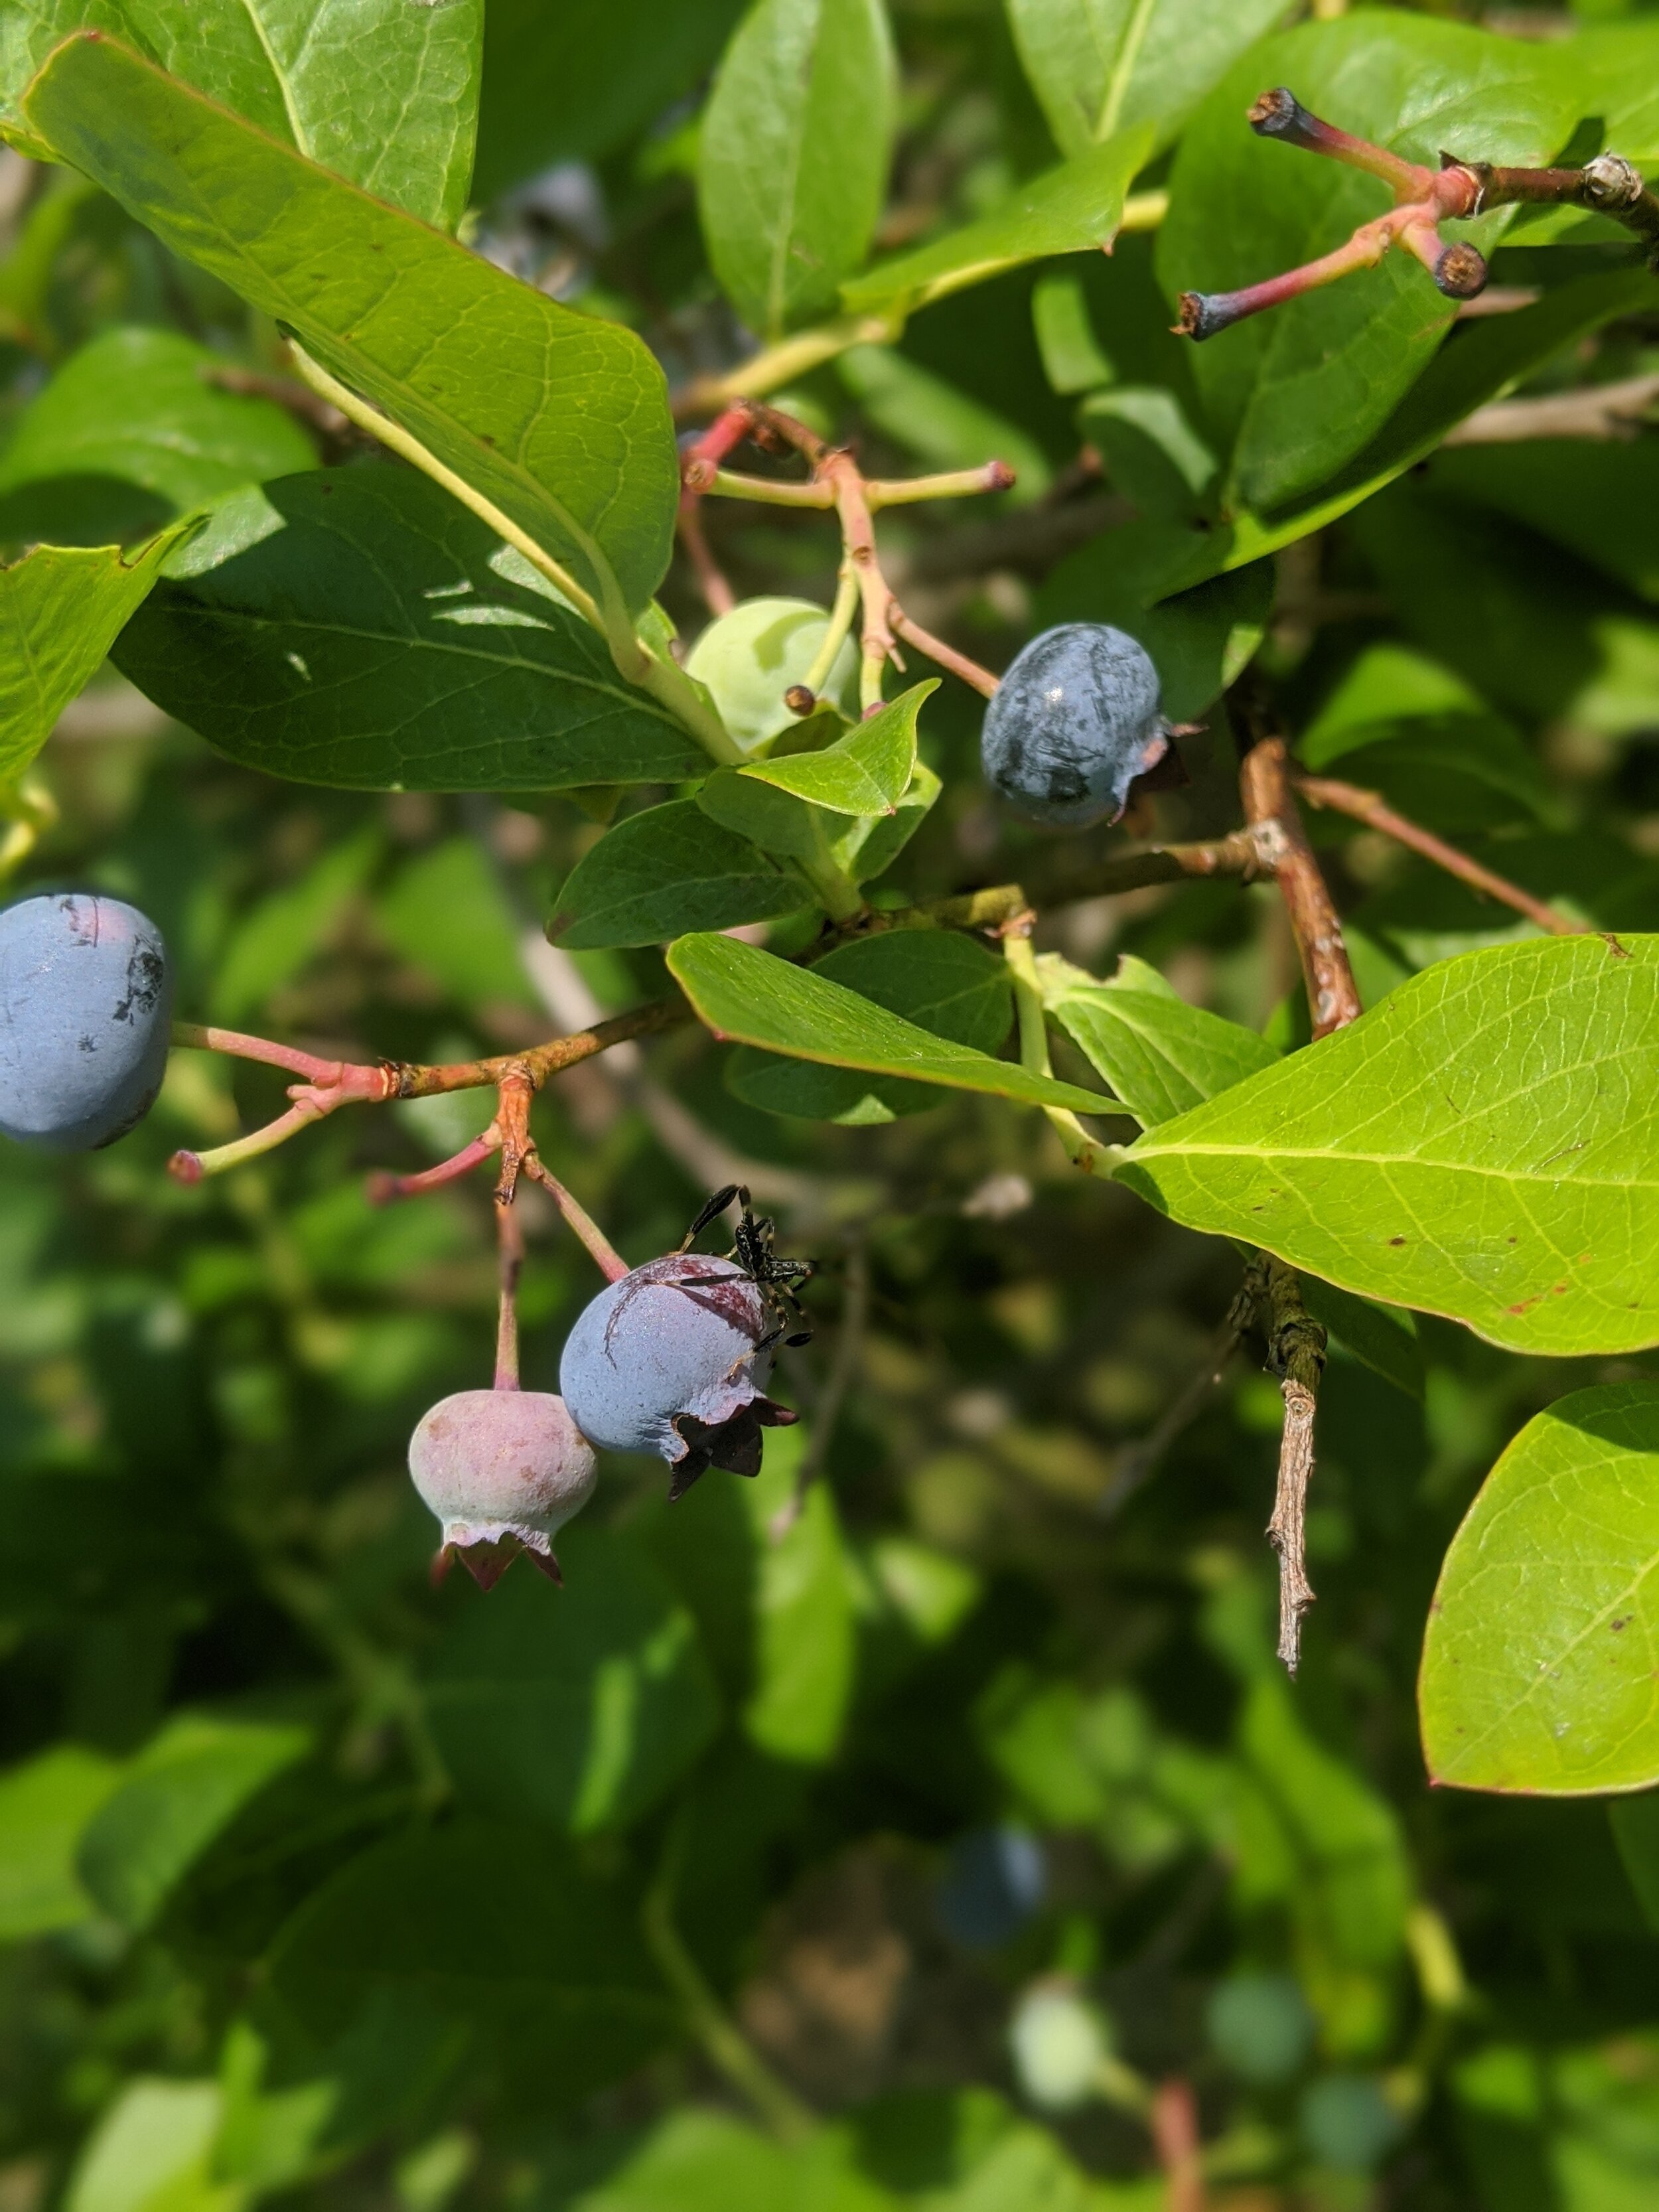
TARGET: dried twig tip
(1460,271)
(800,699)
(1611,182)
(1278,113)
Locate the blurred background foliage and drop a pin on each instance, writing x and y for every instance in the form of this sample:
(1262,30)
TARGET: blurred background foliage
(878,1862)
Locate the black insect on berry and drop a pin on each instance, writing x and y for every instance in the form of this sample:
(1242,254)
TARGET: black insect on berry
(1077,719)
(760,1263)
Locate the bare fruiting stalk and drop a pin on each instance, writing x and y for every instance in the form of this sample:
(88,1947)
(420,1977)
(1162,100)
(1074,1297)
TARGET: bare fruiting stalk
(510,1241)
(1425,198)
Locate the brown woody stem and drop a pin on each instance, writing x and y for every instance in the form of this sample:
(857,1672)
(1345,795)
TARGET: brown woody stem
(1264,783)
(1369,807)
(510,1240)
(1295,1354)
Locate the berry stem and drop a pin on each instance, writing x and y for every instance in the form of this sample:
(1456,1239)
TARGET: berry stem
(386,1189)
(510,1245)
(1083,1150)
(600,1249)
(192,1167)
(841,623)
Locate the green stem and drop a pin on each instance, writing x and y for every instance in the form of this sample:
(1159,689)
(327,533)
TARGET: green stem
(841,623)
(1083,1150)
(1123,68)
(723,2042)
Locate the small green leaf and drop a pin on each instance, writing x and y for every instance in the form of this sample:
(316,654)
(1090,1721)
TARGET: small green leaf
(501,1928)
(667,871)
(448,912)
(1074,209)
(138,407)
(1538,1663)
(1095,64)
(882,841)
(1481,1144)
(1151,451)
(400,125)
(152,2151)
(559,419)
(750,997)
(936,978)
(45,1804)
(867,771)
(180,1792)
(358,627)
(796,142)
(579,1710)
(61,609)
(1159,1055)
(805,1645)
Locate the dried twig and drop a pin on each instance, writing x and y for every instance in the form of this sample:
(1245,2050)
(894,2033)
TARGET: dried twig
(1369,807)
(1296,1355)
(1599,412)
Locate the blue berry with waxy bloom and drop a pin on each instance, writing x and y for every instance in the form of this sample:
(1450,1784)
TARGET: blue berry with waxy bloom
(504,1470)
(1075,722)
(673,1359)
(85,1004)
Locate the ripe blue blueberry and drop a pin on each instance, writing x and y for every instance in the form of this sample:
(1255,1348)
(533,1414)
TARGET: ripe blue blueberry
(995,1882)
(86,1001)
(1077,718)
(672,1359)
(504,1470)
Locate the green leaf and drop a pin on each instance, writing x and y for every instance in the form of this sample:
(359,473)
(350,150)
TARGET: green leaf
(401,125)
(274,942)
(561,420)
(936,978)
(505,1931)
(796,141)
(667,871)
(137,408)
(1619,68)
(1200,640)
(1159,1055)
(1097,65)
(61,609)
(358,627)
(152,2151)
(1635,1824)
(580,1709)
(181,1792)
(803,1633)
(1151,451)
(1295,392)
(447,913)
(574,83)
(1382,1338)
(1601,502)
(1480,1145)
(695,2159)
(867,771)
(1075,208)
(1538,1663)
(750,997)
(45,1804)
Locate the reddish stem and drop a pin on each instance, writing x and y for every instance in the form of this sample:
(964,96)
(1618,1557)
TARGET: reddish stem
(510,1240)
(1174,2120)
(600,1249)
(384,1189)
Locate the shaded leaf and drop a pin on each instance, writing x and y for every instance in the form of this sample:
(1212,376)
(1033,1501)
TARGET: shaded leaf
(358,627)
(45,1804)
(1097,65)
(750,997)
(936,978)
(152,2151)
(803,1628)
(1159,1055)
(561,420)
(402,128)
(1072,210)
(1480,1145)
(665,872)
(1601,502)
(1383,1338)
(579,1709)
(1538,1661)
(796,141)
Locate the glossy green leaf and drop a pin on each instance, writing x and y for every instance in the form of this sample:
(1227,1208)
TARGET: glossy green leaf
(867,771)
(1150,451)
(665,872)
(796,140)
(1159,1055)
(180,1792)
(1619,68)
(579,1710)
(1483,1144)
(1074,209)
(138,408)
(61,609)
(574,83)
(380,91)
(1296,392)
(941,980)
(152,2151)
(1098,65)
(1538,1663)
(559,419)
(358,627)
(750,997)
(45,1804)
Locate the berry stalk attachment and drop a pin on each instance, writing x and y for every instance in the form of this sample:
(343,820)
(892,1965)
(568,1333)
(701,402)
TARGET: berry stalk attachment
(1425,198)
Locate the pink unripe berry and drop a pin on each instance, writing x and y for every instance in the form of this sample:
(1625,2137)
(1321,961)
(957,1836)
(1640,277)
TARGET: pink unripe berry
(504,1470)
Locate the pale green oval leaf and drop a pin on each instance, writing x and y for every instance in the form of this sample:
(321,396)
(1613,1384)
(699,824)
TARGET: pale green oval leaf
(796,141)
(559,419)
(1483,1144)
(152,2151)
(1538,1666)
(750,997)
(1159,1055)
(358,627)
(45,1804)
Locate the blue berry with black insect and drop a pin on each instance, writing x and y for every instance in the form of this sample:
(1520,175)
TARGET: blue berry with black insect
(1076,720)
(86,1002)
(674,1358)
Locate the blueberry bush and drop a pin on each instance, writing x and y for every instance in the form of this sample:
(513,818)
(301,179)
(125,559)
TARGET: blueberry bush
(840,814)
